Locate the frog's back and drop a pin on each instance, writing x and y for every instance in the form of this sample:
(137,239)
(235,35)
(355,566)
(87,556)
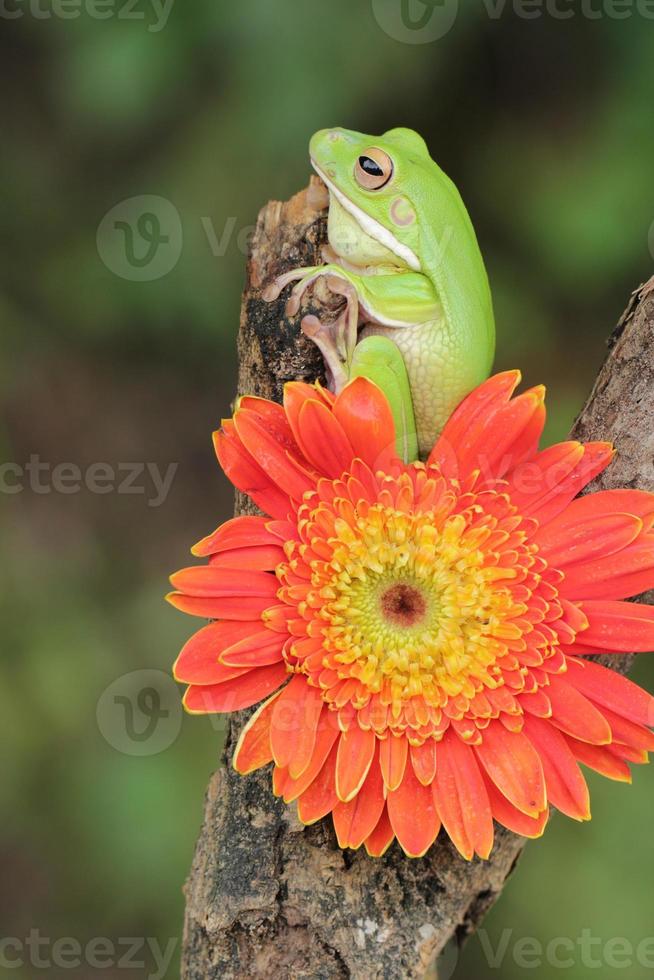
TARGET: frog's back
(451,256)
(456,267)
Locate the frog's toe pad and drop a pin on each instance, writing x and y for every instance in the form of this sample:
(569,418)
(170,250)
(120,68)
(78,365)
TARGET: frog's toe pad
(270,292)
(311,326)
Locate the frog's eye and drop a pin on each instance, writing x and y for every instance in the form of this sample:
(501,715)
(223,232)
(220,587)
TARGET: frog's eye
(373,169)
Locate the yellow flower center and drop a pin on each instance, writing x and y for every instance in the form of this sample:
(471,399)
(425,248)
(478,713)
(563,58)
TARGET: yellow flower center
(407,602)
(416,605)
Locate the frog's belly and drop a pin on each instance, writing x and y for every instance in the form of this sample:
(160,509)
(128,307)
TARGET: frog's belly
(440,374)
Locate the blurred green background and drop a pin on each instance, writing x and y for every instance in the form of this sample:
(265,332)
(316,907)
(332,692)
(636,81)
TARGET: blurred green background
(546,126)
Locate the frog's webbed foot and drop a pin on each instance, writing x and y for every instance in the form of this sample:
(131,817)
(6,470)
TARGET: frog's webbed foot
(337,338)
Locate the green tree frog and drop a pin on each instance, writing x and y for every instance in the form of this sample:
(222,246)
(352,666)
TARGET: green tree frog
(418,316)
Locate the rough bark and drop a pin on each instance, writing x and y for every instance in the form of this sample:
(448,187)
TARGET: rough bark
(267,897)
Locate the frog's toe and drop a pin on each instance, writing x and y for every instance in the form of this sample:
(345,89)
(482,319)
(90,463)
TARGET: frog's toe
(273,290)
(293,302)
(298,291)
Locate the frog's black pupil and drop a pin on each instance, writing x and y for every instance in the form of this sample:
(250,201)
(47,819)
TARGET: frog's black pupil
(370,167)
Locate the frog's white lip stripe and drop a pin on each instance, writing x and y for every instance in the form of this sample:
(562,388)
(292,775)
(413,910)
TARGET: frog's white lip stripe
(369,225)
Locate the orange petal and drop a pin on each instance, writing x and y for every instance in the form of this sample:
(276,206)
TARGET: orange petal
(356,749)
(461,798)
(462,431)
(633,735)
(294,723)
(256,650)
(262,558)
(603,503)
(639,757)
(239,532)
(617,576)
(279,780)
(381,838)
(573,541)
(413,815)
(210,581)
(243,607)
(537,703)
(323,441)
(232,695)
(272,416)
(273,456)
(526,441)
(611,690)
(506,436)
(566,787)
(326,734)
(543,486)
(510,817)
(356,820)
(624,627)
(246,475)
(514,766)
(575,714)
(599,758)
(366,417)
(198,662)
(393,753)
(423,760)
(296,393)
(320,797)
(253,747)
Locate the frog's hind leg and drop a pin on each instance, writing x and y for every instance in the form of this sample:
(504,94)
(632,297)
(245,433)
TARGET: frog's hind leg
(336,339)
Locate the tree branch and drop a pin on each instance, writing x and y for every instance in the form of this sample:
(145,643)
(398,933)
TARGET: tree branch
(268,897)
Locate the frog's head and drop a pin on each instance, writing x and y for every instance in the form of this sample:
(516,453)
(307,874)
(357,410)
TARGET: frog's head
(376,185)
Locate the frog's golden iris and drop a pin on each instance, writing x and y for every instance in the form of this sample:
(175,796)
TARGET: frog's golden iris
(418,633)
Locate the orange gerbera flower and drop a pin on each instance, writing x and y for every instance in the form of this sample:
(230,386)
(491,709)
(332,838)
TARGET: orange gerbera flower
(418,632)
